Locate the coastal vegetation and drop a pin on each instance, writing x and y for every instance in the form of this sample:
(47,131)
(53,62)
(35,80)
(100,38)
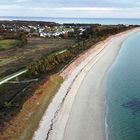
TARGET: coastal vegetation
(17,58)
(50,62)
(13,96)
(26,121)
(91,36)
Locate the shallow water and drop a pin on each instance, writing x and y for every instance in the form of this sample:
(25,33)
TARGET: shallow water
(123,92)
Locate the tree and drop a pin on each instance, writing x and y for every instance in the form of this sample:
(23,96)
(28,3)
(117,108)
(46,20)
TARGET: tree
(23,39)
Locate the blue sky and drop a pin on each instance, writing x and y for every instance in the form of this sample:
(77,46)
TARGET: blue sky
(71,8)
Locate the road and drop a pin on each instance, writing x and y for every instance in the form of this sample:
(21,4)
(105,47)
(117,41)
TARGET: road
(14,75)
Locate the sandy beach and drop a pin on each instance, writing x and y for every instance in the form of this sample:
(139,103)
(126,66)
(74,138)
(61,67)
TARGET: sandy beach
(77,110)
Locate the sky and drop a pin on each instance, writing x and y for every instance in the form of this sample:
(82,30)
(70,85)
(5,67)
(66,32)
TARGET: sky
(71,8)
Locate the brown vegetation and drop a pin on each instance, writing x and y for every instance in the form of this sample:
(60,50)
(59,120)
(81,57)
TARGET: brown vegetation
(22,126)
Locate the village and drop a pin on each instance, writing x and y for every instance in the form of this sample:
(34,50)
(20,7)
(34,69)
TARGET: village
(41,29)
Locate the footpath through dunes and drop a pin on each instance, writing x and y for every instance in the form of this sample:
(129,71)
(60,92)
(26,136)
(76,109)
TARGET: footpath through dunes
(77,110)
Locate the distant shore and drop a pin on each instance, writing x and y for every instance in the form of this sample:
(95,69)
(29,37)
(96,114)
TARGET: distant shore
(104,21)
(59,115)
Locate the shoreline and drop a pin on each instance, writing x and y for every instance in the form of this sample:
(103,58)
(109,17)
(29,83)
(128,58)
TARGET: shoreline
(58,113)
(104,84)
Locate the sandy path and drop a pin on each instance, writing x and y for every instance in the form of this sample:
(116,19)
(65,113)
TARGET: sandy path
(76,112)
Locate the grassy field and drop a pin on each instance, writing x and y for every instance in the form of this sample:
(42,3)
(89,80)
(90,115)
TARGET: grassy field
(14,59)
(8,44)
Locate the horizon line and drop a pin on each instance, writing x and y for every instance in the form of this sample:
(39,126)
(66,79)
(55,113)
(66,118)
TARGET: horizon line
(66,17)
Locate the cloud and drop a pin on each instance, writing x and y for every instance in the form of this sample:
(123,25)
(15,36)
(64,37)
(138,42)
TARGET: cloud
(21,1)
(78,9)
(9,7)
(86,8)
(71,8)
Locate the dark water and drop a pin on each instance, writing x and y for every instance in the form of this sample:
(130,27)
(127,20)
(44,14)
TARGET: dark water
(108,21)
(123,92)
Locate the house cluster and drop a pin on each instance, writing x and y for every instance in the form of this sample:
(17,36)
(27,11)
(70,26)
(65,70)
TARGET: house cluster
(56,31)
(39,29)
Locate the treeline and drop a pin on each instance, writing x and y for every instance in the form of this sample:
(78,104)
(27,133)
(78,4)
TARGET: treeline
(98,31)
(84,41)
(22,37)
(19,23)
(49,63)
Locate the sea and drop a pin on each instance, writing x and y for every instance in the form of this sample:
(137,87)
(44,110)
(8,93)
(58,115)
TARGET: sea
(123,92)
(104,21)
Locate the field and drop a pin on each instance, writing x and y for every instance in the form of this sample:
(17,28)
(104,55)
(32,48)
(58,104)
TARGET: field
(14,59)
(13,96)
(8,44)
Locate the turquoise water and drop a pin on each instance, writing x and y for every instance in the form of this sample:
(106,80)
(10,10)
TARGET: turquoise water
(123,92)
(108,21)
